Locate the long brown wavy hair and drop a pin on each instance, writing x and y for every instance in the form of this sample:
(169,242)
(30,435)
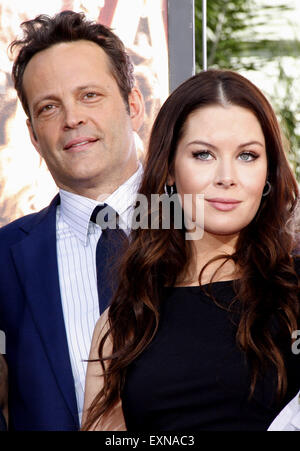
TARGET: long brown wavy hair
(267,290)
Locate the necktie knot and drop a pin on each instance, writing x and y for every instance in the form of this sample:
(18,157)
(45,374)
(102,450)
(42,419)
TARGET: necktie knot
(111,244)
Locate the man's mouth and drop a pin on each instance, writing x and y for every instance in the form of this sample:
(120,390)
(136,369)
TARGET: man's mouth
(80,143)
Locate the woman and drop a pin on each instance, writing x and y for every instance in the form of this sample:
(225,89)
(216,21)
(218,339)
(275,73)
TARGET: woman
(198,335)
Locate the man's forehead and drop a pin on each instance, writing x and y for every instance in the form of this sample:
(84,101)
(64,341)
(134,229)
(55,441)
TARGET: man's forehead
(79,63)
(80,49)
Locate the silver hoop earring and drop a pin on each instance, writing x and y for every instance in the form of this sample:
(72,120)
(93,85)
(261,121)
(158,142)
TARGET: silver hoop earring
(171,189)
(268,184)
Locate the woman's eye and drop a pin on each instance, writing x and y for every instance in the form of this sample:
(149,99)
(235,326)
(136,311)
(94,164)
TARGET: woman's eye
(247,156)
(203,155)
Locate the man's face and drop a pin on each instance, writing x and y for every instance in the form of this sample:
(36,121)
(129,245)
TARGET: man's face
(79,121)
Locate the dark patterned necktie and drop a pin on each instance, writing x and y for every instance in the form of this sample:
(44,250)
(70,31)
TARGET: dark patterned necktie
(111,244)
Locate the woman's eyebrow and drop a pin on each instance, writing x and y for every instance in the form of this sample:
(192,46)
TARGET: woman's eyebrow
(249,143)
(202,143)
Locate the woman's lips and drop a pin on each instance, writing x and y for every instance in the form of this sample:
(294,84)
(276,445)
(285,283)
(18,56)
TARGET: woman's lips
(224,204)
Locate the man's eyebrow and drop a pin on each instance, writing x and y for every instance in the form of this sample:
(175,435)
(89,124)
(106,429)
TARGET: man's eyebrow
(43,98)
(88,86)
(51,96)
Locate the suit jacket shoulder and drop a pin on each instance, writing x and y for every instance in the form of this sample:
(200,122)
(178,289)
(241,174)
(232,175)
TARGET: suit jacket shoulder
(43,395)
(15,230)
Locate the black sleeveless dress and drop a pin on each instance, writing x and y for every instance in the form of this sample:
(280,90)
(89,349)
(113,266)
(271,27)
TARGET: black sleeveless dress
(2,422)
(193,377)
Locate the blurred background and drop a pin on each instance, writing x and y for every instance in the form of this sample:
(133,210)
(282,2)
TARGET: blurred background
(258,38)
(26,185)
(261,40)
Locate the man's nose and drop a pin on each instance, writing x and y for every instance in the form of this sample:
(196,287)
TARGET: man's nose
(225,174)
(74,116)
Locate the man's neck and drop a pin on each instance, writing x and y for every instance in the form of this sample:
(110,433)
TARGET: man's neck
(98,191)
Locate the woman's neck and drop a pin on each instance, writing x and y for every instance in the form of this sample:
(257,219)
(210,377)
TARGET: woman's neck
(204,250)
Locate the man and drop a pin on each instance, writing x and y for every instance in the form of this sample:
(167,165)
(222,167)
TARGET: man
(289,418)
(76,85)
(3,394)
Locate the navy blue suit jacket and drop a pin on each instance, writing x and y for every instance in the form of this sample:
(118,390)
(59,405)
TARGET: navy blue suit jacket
(41,386)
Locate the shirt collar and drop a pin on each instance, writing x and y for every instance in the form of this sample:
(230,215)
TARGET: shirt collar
(76,210)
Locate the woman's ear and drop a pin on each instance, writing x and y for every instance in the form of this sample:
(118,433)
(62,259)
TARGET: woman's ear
(171,178)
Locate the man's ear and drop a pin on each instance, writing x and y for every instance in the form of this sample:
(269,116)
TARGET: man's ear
(32,135)
(136,108)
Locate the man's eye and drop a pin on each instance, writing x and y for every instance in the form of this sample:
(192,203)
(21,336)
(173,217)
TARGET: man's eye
(91,95)
(248,156)
(46,108)
(202,155)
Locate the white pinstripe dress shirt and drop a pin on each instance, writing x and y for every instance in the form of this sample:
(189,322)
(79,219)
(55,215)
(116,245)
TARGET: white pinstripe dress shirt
(289,418)
(77,239)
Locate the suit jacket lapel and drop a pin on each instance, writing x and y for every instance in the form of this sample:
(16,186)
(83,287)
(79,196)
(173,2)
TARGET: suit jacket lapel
(36,261)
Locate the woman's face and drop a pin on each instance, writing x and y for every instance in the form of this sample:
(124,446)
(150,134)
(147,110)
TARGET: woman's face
(222,155)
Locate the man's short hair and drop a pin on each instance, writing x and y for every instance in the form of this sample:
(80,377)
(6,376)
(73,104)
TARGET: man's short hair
(68,26)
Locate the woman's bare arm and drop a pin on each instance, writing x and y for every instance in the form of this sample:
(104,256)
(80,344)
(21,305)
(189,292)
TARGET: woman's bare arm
(114,421)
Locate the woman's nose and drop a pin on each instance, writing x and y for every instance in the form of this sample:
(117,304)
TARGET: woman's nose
(225,176)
